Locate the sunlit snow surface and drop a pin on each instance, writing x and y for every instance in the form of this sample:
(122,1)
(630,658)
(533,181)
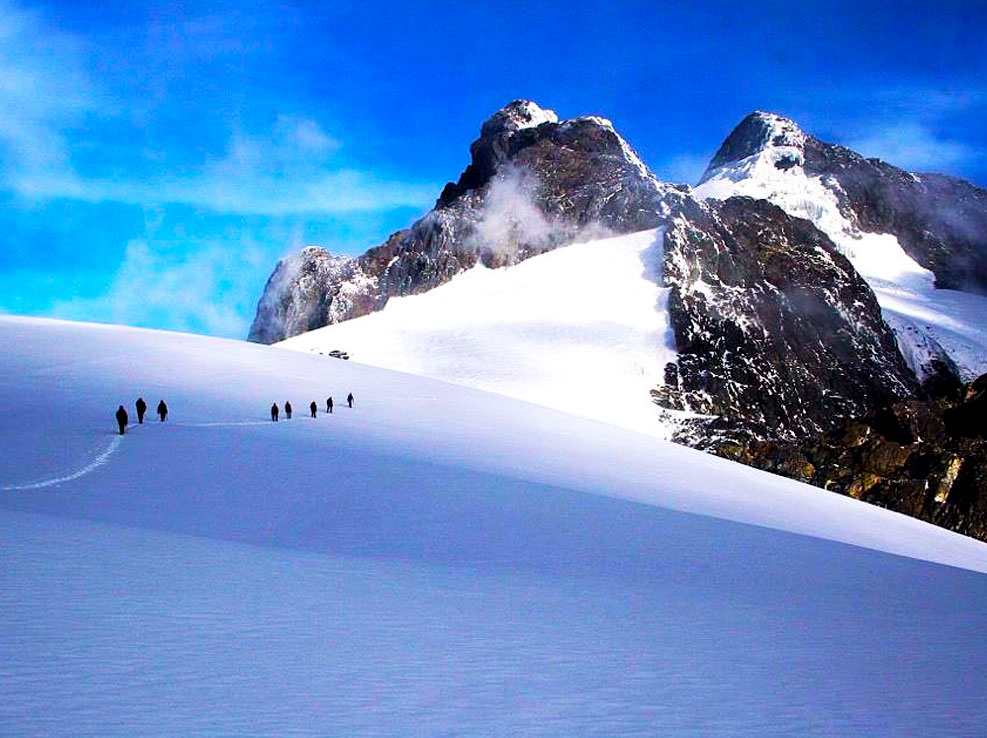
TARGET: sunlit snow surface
(582,329)
(922,317)
(436,561)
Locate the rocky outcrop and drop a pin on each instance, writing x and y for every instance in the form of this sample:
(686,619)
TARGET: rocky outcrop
(940,221)
(925,458)
(296,300)
(777,334)
(533,183)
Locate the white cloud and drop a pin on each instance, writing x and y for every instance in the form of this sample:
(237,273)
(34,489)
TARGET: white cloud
(510,217)
(287,171)
(238,185)
(196,293)
(43,89)
(46,95)
(914,147)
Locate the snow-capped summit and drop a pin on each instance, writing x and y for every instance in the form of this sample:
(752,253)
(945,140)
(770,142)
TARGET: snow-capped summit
(516,116)
(906,235)
(772,138)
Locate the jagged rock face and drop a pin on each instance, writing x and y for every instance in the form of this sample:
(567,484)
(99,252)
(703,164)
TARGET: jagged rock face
(587,174)
(924,458)
(777,334)
(755,132)
(295,299)
(533,184)
(941,222)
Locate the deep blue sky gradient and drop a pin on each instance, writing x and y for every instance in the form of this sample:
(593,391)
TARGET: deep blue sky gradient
(156,159)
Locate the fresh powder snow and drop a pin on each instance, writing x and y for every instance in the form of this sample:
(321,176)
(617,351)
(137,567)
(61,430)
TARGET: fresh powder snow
(583,329)
(436,561)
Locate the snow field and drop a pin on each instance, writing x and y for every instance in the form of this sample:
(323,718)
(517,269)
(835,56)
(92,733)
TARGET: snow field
(219,393)
(436,561)
(583,329)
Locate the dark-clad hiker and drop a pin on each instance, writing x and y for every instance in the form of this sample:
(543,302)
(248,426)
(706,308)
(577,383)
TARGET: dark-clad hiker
(274,412)
(313,407)
(287,410)
(329,406)
(141,409)
(349,399)
(162,410)
(122,419)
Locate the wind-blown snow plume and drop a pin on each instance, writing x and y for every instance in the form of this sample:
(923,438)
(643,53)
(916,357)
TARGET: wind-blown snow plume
(510,219)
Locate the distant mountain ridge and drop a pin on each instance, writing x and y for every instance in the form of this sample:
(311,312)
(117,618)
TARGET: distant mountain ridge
(940,221)
(800,281)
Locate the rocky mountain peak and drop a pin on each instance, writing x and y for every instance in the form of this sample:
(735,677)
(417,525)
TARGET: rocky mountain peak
(782,344)
(939,222)
(523,134)
(761,133)
(533,183)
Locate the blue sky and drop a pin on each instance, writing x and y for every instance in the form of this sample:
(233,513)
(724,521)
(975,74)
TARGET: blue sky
(156,159)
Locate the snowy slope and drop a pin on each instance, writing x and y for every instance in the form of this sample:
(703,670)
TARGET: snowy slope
(437,560)
(583,329)
(926,321)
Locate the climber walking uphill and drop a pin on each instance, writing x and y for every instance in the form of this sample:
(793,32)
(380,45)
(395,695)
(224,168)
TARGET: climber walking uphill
(349,399)
(141,409)
(162,410)
(287,409)
(122,419)
(329,406)
(313,408)
(274,412)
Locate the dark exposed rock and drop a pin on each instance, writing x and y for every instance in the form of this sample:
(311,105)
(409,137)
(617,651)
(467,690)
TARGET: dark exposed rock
(774,328)
(296,300)
(941,222)
(969,418)
(913,456)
